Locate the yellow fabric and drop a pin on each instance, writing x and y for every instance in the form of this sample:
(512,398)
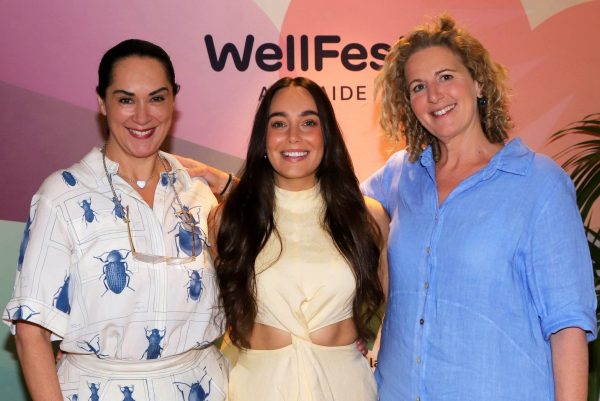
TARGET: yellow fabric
(302,371)
(303,284)
(309,285)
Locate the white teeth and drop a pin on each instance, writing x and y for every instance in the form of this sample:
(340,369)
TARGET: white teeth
(139,133)
(444,110)
(294,154)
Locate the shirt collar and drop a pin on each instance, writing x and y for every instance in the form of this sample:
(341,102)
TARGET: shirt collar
(426,157)
(177,168)
(94,158)
(514,158)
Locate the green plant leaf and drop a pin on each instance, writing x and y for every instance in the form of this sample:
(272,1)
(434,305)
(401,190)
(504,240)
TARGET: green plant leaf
(583,161)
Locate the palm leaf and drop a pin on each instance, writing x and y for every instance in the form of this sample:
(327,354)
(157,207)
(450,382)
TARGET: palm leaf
(583,161)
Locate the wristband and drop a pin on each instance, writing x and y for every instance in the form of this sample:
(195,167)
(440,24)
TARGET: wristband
(229,179)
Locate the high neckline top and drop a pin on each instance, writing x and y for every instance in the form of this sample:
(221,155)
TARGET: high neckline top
(303,282)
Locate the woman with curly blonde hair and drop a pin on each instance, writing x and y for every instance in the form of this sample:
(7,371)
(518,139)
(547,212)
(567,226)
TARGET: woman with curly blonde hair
(397,117)
(491,292)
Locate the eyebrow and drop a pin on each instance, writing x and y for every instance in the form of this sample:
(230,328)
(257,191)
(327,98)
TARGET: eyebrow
(437,73)
(158,91)
(444,70)
(284,114)
(127,93)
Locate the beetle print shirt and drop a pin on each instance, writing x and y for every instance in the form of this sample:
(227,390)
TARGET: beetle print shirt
(479,283)
(78,278)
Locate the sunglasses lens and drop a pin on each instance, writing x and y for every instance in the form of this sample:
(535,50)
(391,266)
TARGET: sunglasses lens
(156,259)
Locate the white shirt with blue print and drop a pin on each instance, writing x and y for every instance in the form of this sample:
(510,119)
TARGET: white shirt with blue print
(77,277)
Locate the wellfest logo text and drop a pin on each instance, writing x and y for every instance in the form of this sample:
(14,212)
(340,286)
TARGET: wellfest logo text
(303,54)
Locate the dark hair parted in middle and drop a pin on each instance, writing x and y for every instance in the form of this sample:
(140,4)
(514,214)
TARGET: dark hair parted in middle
(247,220)
(397,117)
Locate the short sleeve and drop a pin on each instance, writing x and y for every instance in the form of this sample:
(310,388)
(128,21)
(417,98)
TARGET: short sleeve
(41,291)
(373,187)
(384,184)
(560,269)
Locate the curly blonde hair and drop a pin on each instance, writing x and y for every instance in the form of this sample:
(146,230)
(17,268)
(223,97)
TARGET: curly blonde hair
(397,118)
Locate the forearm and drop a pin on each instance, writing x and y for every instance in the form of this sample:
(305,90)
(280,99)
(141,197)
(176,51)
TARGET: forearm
(37,362)
(383,222)
(570,364)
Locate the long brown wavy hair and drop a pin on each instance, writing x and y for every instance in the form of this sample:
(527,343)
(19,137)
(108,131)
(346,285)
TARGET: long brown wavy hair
(247,222)
(397,118)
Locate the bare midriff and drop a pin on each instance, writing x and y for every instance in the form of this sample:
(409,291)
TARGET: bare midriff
(266,337)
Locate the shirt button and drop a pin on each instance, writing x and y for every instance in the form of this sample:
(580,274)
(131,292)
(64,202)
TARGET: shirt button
(428,250)
(418,398)
(426,285)
(421,321)
(418,360)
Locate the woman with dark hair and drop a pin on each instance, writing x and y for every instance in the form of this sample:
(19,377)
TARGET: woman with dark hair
(298,256)
(491,293)
(116,263)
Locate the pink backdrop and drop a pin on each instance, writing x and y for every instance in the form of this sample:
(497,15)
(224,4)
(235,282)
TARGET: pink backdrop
(50,53)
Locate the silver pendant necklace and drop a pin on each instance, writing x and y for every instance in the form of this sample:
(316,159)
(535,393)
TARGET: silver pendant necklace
(184,212)
(139,183)
(112,188)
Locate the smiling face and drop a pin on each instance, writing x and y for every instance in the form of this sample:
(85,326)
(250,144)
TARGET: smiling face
(294,139)
(443,95)
(138,107)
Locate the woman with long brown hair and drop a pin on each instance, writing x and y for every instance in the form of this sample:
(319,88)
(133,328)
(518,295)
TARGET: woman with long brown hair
(298,256)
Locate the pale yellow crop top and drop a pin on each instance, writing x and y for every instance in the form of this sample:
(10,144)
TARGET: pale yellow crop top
(310,285)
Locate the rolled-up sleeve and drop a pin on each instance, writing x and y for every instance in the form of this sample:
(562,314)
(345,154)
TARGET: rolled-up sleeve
(560,271)
(42,282)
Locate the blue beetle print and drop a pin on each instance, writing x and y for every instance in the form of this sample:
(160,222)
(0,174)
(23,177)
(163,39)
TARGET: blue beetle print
(88,213)
(154,338)
(73,397)
(188,227)
(118,210)
(195,286)
(21,312)
(94,388)
(92,346)
(61,296)
(24,242)
(68,178)
(164,179)
(115,271)
(127,393)
(197,392)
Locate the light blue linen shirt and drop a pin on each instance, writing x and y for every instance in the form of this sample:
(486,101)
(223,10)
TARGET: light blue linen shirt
(479,283)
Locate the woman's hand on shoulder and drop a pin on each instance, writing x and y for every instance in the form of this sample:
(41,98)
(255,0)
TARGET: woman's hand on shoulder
(217,179)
